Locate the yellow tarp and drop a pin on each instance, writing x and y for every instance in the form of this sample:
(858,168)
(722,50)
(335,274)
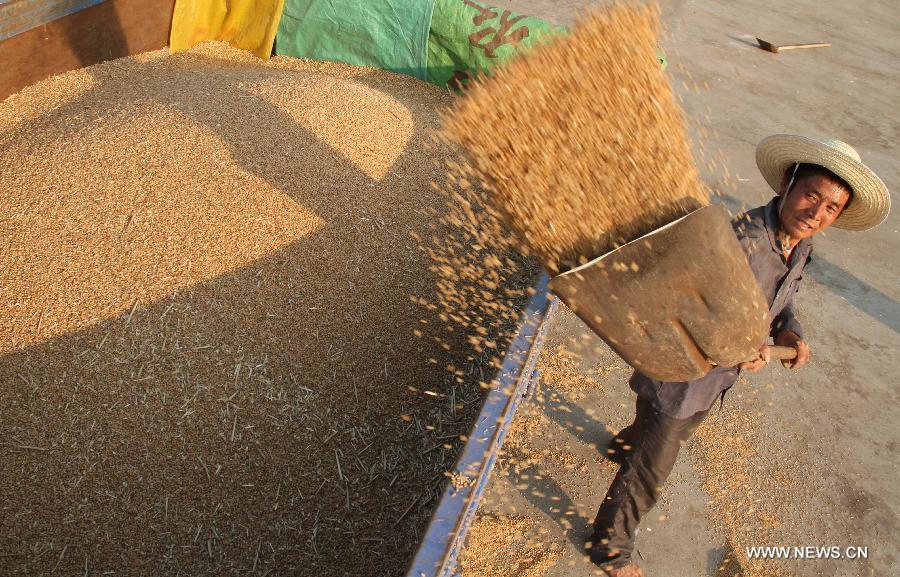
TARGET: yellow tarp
(246,24)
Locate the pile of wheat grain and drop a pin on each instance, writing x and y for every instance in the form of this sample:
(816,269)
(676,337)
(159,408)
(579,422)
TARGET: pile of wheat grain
(224,297)
(581,140)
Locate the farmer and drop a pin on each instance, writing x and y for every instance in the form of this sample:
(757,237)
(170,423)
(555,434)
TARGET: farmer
(817,184)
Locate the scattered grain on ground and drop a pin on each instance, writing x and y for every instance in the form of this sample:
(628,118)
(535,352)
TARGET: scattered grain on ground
(730,471)
(505,546)
(559,370)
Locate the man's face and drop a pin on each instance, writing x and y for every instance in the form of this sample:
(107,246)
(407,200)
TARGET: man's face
(812,205)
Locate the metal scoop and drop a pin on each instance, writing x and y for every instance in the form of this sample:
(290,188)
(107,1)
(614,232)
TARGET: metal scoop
(674,302)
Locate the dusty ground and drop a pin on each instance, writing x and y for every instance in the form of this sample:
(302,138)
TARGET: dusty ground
(794,458)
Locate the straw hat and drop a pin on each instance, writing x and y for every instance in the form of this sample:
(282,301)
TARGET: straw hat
(871,202)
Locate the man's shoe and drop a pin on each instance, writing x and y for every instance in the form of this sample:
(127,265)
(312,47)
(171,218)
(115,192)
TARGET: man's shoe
(621,445)
(630,570)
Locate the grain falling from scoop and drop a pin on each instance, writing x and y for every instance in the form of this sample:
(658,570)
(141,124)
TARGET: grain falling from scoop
(581,140)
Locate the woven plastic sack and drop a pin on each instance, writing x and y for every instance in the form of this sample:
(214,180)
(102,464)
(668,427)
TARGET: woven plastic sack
(467,38)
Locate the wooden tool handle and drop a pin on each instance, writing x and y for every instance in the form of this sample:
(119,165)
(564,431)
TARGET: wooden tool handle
(795,46)
(777,353)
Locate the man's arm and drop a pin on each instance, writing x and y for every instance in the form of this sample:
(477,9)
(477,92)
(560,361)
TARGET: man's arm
(749,237)
(787,332)
(786,321)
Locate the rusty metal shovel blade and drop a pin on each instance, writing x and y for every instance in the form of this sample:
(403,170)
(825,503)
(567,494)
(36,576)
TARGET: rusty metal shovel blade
(673,302)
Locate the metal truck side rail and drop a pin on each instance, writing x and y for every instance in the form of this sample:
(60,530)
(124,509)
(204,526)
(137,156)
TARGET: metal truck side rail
(439,551)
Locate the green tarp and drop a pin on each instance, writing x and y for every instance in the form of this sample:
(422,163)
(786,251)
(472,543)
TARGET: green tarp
(388,34)
(445,42)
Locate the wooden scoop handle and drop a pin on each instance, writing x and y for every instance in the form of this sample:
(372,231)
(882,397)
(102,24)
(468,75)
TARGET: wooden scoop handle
(777,353)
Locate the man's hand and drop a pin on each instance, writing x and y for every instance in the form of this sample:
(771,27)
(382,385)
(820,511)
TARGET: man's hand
(759,362)
(793,340)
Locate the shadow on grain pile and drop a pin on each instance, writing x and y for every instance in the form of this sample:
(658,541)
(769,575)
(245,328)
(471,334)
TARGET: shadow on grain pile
(268,408)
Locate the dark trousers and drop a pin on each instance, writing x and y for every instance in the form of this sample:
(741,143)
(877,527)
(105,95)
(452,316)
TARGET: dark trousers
(655,439)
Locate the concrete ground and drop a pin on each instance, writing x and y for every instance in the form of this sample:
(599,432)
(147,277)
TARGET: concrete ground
(805,458)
